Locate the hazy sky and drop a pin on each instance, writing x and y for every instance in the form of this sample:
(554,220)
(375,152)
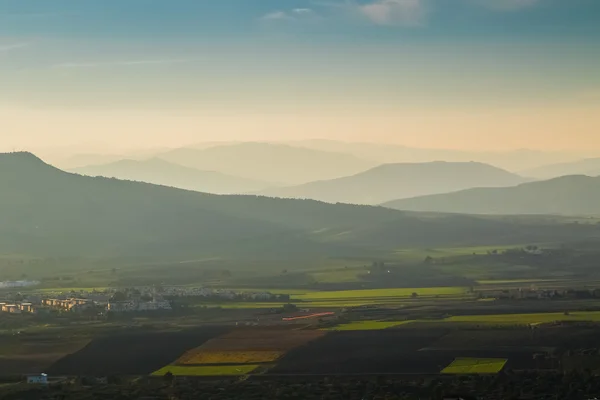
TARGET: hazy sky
(493,74)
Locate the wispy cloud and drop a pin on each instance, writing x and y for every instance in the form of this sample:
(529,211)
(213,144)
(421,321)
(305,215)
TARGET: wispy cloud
(294,14)
(118,63)
(13,46)
(405,13)
(395,12)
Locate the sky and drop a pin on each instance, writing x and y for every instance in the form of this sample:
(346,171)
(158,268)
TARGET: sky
(466,74)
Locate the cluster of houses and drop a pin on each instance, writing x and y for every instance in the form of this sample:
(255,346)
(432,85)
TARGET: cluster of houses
(134,299)
(68,304)
(17,308)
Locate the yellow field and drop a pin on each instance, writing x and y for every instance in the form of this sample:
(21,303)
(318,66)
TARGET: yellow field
(226,370)
(475,366)
(228,357)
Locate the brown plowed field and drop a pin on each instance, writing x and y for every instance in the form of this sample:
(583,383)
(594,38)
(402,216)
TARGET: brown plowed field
(389,351)
(132,354)
(251,346)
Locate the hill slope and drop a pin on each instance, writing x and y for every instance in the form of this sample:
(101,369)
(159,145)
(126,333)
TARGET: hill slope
(589,166)
(48,212)
(162,172)
(269,162)
(569,195)
(394,181)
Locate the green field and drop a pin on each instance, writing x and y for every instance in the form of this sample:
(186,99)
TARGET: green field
(515,281)
(226,370)
(367,325)
(337,276)
(475,366)
(380,293)
(525,319)
(349,298)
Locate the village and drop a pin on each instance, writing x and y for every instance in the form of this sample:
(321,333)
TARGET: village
(121,300)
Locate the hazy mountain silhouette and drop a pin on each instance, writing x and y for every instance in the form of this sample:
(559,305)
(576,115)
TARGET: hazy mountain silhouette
(162,172)
(45,211)
(512,160)
(269,162)
(394,181)
(588,166)
(568,195)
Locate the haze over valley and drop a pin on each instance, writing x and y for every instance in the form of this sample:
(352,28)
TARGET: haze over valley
(340,199)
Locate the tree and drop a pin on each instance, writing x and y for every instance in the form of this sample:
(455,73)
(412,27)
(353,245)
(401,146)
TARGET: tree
(414,295)
(168,377)
(119,296)
(289,307)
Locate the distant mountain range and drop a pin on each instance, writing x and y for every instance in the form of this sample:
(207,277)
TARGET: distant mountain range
(382,153)
(588,166)
(568,195)
(277,163)
(395,181)
(162,172)
(47,212)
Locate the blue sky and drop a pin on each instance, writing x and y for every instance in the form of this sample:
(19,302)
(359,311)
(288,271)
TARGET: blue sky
(302,58)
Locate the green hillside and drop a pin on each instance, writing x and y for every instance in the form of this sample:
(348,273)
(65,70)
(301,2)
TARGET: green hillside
(569,195)
(45,211)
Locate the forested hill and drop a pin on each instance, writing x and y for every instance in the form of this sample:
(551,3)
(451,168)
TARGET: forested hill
(45,211)
(568,195)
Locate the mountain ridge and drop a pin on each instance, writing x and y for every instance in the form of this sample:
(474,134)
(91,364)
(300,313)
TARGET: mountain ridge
(565,195)
(400,180)
(162,172)
(277,163)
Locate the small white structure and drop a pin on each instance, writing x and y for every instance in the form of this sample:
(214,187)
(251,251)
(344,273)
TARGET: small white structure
(40,379)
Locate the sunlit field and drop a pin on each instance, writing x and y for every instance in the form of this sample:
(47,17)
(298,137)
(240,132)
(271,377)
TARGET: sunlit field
(475,366)
(228,357)
(367,325)
(523,319)
(226,370)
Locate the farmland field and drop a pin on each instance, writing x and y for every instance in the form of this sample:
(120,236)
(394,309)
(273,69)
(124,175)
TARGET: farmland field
(475,366)
(370,351)
(375,294)
(367,325)
(132,354)
(228,357)
(225,370)
(260,339)
(32,354)
(524,319)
